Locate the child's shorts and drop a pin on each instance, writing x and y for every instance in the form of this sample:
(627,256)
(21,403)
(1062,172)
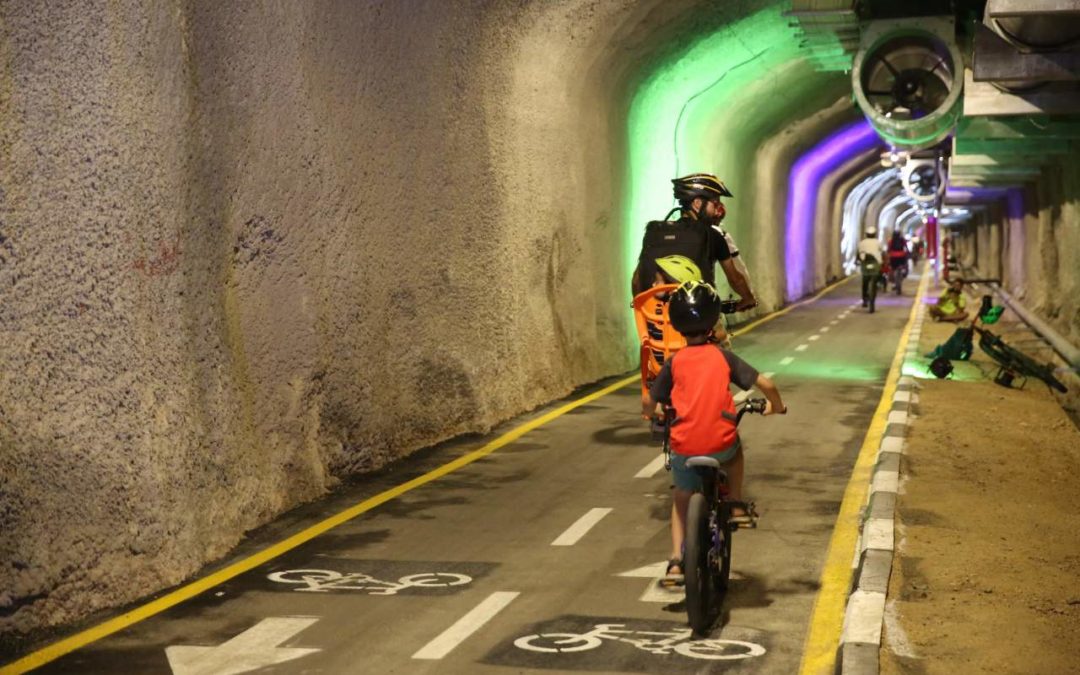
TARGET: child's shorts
(688,479)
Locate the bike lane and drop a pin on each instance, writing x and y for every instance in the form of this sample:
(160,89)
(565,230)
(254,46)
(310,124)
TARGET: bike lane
(552,532)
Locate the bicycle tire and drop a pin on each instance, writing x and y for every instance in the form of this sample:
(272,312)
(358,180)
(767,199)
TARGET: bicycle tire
(723,574)
(698,576)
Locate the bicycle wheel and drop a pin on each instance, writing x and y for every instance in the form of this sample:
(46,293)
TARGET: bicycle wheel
(699,578)
(723,551)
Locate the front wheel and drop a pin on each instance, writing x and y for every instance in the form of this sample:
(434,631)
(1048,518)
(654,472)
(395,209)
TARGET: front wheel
(699,578)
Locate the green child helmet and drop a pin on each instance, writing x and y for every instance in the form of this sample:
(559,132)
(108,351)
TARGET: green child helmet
(679,268)
(694,308)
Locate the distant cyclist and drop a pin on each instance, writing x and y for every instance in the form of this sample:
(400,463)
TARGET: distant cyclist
(898,258)
(870,254)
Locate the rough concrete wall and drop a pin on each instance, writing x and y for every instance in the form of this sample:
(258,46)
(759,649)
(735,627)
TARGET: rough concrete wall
(250,248)
(1036,253)
(760,234)
(772,166)
(829,215)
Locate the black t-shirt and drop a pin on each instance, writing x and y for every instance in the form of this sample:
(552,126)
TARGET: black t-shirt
(688,242)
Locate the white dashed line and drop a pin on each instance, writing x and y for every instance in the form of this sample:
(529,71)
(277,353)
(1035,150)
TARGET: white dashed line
(786,360)
(578,529)
(824,330)
(769,374)
(813,337)
(833,322)
(466,626)
(651,468)
(802,347)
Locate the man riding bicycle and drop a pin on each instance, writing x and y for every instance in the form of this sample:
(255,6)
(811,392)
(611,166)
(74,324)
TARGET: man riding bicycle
(898,258)
(870,254)
(696,235)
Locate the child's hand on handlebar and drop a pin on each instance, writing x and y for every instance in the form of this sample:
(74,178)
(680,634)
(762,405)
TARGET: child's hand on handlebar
(769,410)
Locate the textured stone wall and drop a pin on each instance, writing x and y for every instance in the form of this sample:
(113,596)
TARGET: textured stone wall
(1035,252)
(247,249)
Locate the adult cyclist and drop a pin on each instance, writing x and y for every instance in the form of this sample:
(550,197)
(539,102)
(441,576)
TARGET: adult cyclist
(695,235)
(898,258)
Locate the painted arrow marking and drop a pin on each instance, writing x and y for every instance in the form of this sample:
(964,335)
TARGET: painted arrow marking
(257,647)
(654,592)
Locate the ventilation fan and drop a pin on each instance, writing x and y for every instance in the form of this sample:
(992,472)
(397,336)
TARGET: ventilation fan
(907,78)
(923,179)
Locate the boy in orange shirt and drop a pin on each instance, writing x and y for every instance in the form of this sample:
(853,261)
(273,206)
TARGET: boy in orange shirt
(695,382)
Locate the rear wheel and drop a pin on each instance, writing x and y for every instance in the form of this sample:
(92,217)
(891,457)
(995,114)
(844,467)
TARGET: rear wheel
(699,577)
(723,567)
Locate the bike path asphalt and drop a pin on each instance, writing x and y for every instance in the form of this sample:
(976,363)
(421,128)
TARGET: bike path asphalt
(376,597)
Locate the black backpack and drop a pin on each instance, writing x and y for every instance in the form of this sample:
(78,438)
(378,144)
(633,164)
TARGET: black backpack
(680,237)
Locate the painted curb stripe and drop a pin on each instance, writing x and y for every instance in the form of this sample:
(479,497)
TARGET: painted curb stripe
(57,649)
(862,621)
(823,637)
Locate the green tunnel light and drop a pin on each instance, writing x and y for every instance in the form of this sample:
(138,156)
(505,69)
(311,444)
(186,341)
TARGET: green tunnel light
(691,111)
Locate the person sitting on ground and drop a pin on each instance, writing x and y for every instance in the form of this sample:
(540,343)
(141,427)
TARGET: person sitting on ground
(951,305)
(695,382)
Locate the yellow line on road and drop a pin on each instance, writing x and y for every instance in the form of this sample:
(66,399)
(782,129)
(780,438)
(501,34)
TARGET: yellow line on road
(70,644)
(827,618)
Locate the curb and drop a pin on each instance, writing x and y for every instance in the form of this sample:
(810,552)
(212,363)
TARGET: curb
(860,640)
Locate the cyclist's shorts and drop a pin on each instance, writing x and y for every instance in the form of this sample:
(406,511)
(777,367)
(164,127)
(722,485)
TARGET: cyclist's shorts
(687,479)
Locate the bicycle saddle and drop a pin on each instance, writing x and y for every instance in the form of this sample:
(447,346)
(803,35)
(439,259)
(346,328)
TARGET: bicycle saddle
(703,461)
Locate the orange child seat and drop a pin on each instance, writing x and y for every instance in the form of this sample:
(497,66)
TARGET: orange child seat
(658,338)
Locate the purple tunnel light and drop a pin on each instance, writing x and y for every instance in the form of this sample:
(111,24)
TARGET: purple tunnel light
(806,176)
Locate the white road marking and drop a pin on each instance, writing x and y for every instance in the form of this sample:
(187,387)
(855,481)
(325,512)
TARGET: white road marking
(651,468)
(466,626)
(824,330)
(802,347)
(578,529)
(786,360)
(833,322)
(769,374)
(813,337)
(653,571)
(255,648)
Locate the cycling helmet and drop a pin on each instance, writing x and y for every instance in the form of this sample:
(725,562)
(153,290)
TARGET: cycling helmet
(694,308)
(871,231)
(704,185)
(679,268)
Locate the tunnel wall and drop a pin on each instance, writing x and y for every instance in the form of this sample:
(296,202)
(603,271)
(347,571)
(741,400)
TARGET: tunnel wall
(250,249)
(1030,238)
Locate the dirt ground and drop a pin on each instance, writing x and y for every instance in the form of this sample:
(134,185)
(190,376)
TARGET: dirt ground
(987,573)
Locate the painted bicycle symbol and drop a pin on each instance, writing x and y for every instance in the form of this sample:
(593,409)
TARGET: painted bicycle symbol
(654,642)
(322,581)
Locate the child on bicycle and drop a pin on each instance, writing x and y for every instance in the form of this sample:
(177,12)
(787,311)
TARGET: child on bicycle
(695,382)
